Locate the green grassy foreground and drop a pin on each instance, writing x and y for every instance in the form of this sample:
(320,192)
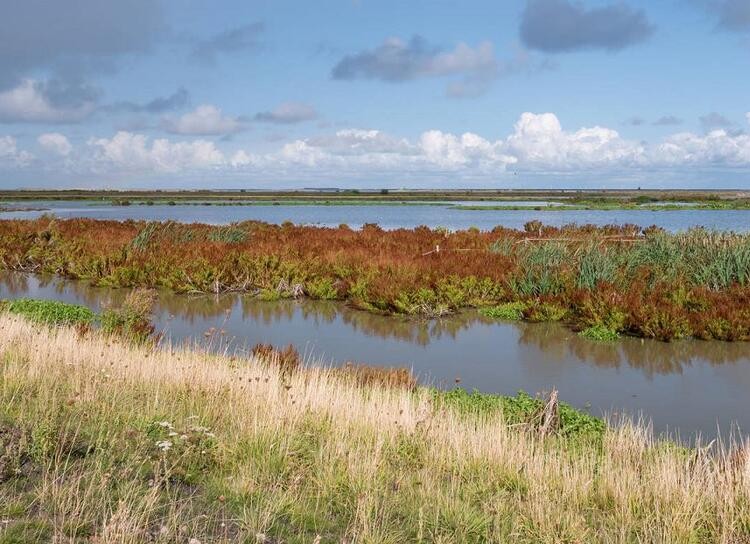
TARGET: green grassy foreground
(102,440)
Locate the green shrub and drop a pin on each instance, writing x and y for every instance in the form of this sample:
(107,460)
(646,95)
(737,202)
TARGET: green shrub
(51,312)
(596,264)
(510,311)
(600,333)
(545,311)
(322,288)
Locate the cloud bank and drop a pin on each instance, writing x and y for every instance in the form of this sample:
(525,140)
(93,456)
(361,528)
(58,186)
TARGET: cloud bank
(537,144)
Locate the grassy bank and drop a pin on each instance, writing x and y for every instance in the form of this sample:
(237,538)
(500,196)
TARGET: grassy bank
(615,279)
(103,441)
(616,204)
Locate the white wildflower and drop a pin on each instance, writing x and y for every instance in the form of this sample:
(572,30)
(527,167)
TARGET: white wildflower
(164,445)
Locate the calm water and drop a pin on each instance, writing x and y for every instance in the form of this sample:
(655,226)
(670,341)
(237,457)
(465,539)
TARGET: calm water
(391,217)
(690,385)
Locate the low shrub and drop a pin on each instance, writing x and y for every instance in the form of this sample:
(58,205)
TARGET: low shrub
(131,321)
(600,333)
(510,311)
(619,277)
(540,312)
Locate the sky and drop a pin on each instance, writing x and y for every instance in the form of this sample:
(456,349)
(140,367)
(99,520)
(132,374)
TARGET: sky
(277,94)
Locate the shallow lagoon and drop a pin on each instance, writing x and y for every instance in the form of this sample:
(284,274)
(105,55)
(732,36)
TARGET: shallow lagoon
(389,216)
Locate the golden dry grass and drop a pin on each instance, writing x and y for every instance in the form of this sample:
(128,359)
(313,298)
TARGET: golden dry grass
(106,442)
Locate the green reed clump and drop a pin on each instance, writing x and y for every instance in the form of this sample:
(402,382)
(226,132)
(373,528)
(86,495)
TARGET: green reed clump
(597,264)
(143,238)
(50,312)
(230,235)
(174,232)
(541,270)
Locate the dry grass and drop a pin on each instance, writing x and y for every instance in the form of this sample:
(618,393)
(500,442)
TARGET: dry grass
(106,442)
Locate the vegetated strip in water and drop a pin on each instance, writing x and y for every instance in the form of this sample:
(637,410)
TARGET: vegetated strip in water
(613,279)
(645,203)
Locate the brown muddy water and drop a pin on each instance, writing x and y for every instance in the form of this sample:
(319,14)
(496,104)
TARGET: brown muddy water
(687,387)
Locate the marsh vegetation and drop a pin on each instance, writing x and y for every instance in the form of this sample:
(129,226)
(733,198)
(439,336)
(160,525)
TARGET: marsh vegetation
(610,280)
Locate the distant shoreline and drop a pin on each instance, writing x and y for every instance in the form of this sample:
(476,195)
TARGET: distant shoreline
(478,200)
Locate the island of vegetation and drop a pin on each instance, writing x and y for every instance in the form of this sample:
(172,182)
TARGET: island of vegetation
(601,281)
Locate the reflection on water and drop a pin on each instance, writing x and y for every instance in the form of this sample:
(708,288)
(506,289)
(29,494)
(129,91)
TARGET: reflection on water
(692,385)
(648,356)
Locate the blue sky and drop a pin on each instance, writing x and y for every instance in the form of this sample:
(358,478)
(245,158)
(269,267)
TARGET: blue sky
(278,94)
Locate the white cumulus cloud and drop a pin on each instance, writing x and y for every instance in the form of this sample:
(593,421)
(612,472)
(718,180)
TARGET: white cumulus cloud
(717,148)
(539,141)
(128,151)
(55,142)
(205,120)
(10,155)
(451,151)
(29,103)
(537,145)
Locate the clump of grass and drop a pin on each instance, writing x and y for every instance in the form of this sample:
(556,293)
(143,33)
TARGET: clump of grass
(600,333)
(50,312)
(132,320)
(510,311)
(369,376)
(287,359)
